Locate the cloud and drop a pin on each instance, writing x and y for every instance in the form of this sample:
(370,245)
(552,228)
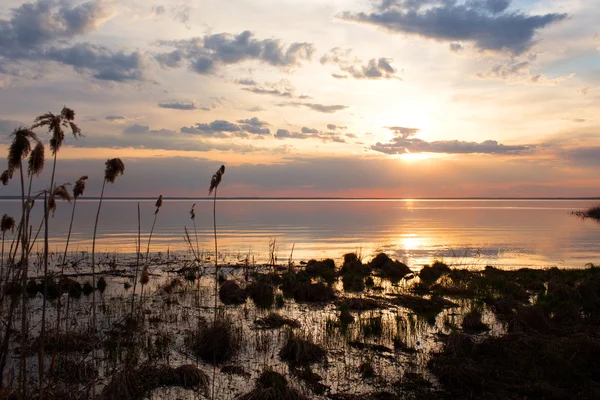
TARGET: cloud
(456,47)
(181,105)
(116,118)
(226,129)
(404,142)
(136,128)
(103,63)
(380,68)
(255,126)
(327,109)
(519,72)
(308,133)
(485,23)
(283,88)
(309,130)
(246,81)
(40,31)
(204,55)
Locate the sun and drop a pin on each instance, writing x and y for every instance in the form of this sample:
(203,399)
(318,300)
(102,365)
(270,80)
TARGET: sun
(412,157)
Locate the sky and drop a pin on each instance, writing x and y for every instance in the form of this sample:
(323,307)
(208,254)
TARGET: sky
(352,98)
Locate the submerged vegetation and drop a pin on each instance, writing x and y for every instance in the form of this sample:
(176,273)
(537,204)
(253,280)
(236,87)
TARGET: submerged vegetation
(76,325)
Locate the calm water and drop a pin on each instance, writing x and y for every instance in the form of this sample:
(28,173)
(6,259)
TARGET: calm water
(503,233)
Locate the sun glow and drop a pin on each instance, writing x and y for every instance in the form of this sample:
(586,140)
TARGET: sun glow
(411,157)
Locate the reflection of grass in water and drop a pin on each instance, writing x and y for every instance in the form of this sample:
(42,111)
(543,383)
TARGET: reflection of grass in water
(394,340)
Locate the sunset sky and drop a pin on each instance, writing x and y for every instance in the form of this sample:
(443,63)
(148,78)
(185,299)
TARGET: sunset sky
(357,98)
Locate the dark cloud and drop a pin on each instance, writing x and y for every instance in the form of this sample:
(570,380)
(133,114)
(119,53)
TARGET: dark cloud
(404,142)
(272,92)
(309,130)
(181,105)
(116,118)
(205,54)
(226,129)
(101,62)
(456,47)
(254,121)
(333,127)
(33,25)
(380,68)
(136,128)
(246,81)
(486,23)
(40,31)
(327,109)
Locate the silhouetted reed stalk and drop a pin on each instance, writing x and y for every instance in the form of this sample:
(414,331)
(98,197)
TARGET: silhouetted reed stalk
(78,190)
(214,184)
(114,168)
(145,274)
(137,263)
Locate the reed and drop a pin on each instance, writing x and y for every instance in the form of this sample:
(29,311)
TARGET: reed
(114,167)
(19,149)
(145,278)
(214,184)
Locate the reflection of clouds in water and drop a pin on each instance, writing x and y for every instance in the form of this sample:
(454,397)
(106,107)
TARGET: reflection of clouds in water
(474,234)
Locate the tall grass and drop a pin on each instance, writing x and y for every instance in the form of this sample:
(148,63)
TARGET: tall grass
(113,168)
(214,184)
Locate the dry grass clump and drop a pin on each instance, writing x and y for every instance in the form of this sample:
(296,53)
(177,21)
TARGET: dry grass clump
(520,365)
(190,377)
(136,383)
(262,293)
(271,385)
(472,322)
(276,321)
(216,342)
(388,268)
(424,306)
(71,286)
(592,213)
(362,304)
(231,293)
(75,341)
(71,371)
(324,269)
(299,351)
(300,287)
(430,274)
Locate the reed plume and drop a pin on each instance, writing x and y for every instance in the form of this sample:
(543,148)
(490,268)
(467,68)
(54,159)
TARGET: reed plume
(36,160)
(55,124)
(5,177)
(7,224)
(216,179)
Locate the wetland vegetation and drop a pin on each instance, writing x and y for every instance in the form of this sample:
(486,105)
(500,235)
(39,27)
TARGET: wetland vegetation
(187,324)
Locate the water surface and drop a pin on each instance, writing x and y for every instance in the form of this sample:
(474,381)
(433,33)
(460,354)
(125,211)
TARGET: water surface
(474,233)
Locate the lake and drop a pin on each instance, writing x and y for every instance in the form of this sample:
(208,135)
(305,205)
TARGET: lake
(469,233)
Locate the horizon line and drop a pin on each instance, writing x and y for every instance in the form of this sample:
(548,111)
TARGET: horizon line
(18,197)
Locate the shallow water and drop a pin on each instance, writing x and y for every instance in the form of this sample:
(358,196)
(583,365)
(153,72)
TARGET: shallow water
(472,233)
